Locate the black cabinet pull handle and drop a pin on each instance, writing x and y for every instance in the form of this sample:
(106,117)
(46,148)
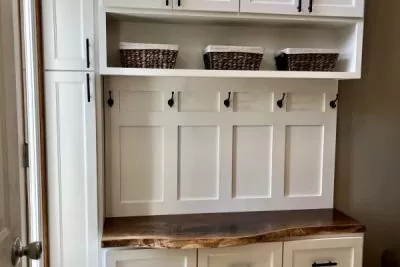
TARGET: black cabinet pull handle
(227,102)
(299,7)
(167,2)
(171,101)
(310,7)
(327,264)
(179,3)
(87,53)
(88,87)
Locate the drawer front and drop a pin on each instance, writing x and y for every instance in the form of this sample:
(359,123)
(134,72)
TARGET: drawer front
(151,258)
(339,252)
(258,255)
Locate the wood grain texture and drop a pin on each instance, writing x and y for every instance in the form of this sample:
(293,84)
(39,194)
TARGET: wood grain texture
(224,229)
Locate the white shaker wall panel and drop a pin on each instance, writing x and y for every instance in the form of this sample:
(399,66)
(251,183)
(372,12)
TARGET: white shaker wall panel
(198,155)
(141,101)
(207,5)
(68,39)
(303,172)
(198,163)
(142,164)
(305,102)
(198,102)
(252,162)
(253,102)
(72,175)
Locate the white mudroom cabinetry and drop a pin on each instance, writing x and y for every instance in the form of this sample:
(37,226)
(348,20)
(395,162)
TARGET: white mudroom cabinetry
(192,140)
(68,35)
(72,168)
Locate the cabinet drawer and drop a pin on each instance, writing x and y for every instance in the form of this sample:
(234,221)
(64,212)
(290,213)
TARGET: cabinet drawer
(151,258)
(258,255)
(340,252)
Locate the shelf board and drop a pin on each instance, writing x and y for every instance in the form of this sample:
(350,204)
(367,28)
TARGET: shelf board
(229,73)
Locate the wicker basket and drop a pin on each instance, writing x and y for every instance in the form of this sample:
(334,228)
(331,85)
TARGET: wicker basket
(296,59)
(232,57)
(153,56)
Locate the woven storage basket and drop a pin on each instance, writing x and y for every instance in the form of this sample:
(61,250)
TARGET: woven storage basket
(153,56)
(232,57)
(296,59)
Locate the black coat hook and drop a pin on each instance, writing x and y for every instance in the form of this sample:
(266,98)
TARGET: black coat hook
(171,101)
(110,100)
(227,101)
(280,101)
(333,103)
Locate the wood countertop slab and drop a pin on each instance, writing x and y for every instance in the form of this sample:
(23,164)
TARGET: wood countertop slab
(224,229)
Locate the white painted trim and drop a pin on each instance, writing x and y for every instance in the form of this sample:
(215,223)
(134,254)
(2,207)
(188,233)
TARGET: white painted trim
(110,71)
(34,174)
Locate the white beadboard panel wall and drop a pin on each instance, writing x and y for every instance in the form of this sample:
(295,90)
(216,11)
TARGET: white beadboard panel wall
(203,156)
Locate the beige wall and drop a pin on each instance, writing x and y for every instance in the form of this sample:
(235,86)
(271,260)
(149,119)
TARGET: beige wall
(368,150)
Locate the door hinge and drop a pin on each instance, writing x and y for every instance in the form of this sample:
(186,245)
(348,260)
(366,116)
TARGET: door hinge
(25,155)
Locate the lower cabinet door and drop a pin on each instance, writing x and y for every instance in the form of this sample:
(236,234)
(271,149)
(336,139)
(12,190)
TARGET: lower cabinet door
(71,169)
(258,255)
(340,252)
(151,258)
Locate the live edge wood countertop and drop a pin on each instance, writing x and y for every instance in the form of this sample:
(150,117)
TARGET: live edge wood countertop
(224,229)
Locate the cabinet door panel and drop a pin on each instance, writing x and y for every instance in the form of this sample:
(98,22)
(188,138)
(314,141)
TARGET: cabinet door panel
(345,252)
(151,258)
(68,34)
(270,6)
(71,163)
(207,5)
(340,8)
(150,4)
(257,255)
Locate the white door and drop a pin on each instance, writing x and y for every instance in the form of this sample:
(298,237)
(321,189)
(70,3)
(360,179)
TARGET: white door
(272,6)
(147,4)
(339,8)
(69,34)
(207,5)
(71,168)
(12,194)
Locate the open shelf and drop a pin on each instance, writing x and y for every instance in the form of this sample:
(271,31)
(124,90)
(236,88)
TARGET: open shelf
(193,34)
(229,73)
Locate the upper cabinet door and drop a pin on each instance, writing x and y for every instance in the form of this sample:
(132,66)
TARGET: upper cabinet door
(271,6)
(150,4)
(338,8)
(207,5)
(69,34)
